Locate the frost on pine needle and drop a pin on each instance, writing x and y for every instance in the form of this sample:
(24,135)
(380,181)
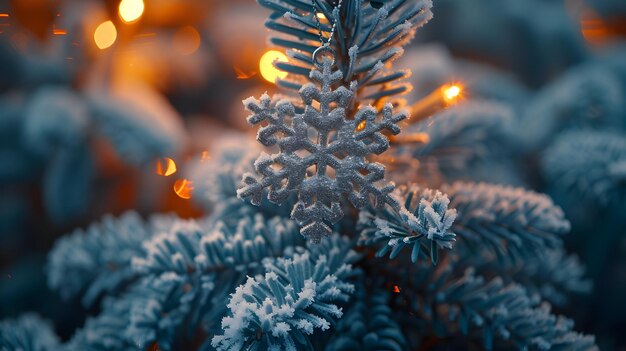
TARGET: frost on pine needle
(28,332)
(458,301)
(367,40)
(97,260)
(423,224)
(323,154)
(280,310)
(511,223)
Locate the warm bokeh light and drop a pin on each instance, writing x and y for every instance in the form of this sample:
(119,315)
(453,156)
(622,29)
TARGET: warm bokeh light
(183,188)
(186,40)
(593,28)
(4,15)
(266,66)
(205,156)
(57,31)
(451,92)
(243,75)
(396,289)
(105,35)
(165,167)
(131,10)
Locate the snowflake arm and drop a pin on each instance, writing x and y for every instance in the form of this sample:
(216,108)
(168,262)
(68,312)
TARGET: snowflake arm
(323,153)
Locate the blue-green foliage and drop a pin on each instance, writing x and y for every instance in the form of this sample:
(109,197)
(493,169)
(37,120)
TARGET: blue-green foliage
(245,279)
(55,118)
(490,287)
(182,272)
(554,275)
(511,224)
(216,180)
(138,123)
(463,140)
(97,260)
(107,331)
(459,302)
(591,164)
(516,234)
(368,325)
(588,96)
(27,333)
(422,224)
(433,66)
(364,41)
(60,124)
(296,297)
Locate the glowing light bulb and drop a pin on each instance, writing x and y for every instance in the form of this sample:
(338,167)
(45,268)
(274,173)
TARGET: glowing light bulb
(105,35)
(131,10)
(266,66)
(165,167)
(441,98)
(450,93)
(183,188)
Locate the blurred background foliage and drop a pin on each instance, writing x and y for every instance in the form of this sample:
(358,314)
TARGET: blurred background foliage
(99,115)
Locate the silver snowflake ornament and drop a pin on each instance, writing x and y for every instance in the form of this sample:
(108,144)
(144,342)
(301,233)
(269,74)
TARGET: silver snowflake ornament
(323,153)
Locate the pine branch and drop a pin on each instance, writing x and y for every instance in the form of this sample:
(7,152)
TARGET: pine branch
(512,224)
(423,224)
(97,260)
(456,302)
(28,333)
(368,325)
(296,297)
(591,164)
(364,41)
(588,96)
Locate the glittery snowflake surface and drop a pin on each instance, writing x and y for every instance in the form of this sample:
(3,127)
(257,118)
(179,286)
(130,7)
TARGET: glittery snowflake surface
(323,152)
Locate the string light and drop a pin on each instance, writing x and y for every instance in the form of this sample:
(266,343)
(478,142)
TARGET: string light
(131,10)
(450,93)
(266,66)
(436,101)
(105,35)
(411,138)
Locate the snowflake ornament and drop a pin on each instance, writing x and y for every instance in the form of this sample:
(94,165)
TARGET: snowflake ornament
(323,152)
